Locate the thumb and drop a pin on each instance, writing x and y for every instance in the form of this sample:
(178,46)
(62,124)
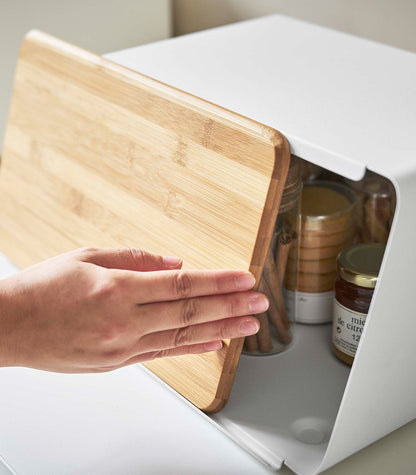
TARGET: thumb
(129,259)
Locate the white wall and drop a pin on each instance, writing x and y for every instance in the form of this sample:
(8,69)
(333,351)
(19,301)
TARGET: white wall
(388,21)
(98,25)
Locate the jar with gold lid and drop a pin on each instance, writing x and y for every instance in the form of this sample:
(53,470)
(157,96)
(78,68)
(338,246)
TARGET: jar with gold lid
(358,267)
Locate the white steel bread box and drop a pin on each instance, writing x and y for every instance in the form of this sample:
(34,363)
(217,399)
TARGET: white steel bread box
(348,105)
(343,103)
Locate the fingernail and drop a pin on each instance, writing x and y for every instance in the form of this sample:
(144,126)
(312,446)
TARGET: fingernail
(249,327)
(213,345)
(171,261)
(246,281)
(258,304)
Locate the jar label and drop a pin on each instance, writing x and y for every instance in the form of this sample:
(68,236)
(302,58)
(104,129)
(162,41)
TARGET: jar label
(347,329)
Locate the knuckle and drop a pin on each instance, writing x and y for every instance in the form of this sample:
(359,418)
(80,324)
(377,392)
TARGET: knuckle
(160,354)
(109,333)
(182,284)
(86,252)
(139,256)
(108,287)
(113,332)
(231,305)
(182,336)
(190,308)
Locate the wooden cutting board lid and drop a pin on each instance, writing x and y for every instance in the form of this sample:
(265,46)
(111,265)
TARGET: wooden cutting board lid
(98,155)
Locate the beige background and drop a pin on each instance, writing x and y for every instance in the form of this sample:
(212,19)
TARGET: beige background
(98,25)
(388,21)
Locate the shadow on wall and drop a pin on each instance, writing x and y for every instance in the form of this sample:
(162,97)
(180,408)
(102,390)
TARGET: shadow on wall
(384,21)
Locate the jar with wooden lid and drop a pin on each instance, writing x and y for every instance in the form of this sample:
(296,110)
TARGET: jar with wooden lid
(276,330)
(358,268)
(327,227)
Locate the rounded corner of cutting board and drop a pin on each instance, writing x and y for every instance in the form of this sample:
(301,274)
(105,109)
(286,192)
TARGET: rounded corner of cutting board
(215,406)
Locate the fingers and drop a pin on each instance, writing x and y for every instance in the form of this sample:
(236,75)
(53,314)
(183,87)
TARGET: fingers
(183,350)
(194,334)
(162,286)
(190,340)
(155,317)
(129,259)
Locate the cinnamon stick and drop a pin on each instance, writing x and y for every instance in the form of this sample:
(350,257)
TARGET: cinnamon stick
(275,313)
(284,246)
(377,222)
(250,343)
(264,338)
(274,282)
(282,252)
(271,286)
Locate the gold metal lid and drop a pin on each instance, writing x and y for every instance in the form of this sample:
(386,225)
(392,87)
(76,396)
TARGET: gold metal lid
(360,264)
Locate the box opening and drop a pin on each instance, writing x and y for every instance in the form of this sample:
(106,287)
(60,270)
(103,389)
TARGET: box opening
(283,406)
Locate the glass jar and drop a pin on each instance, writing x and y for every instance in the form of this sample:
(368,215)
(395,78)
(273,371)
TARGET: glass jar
(327,227)
(375,208)
(276,329)
(358,268)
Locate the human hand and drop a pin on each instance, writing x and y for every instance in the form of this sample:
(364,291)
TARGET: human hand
(94,310)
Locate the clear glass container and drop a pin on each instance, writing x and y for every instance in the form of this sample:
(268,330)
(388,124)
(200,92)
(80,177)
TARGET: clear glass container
(327,227)
(375,208)
(276,329)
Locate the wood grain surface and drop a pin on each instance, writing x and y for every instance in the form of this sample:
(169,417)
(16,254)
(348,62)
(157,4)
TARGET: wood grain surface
(98,155)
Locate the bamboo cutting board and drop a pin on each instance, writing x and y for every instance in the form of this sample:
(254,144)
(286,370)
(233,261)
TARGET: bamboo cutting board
(98,155)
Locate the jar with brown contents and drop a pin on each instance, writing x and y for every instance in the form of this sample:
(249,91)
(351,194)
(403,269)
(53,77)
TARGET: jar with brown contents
(276,329)
(358,268)
(375,208)
(327,227)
